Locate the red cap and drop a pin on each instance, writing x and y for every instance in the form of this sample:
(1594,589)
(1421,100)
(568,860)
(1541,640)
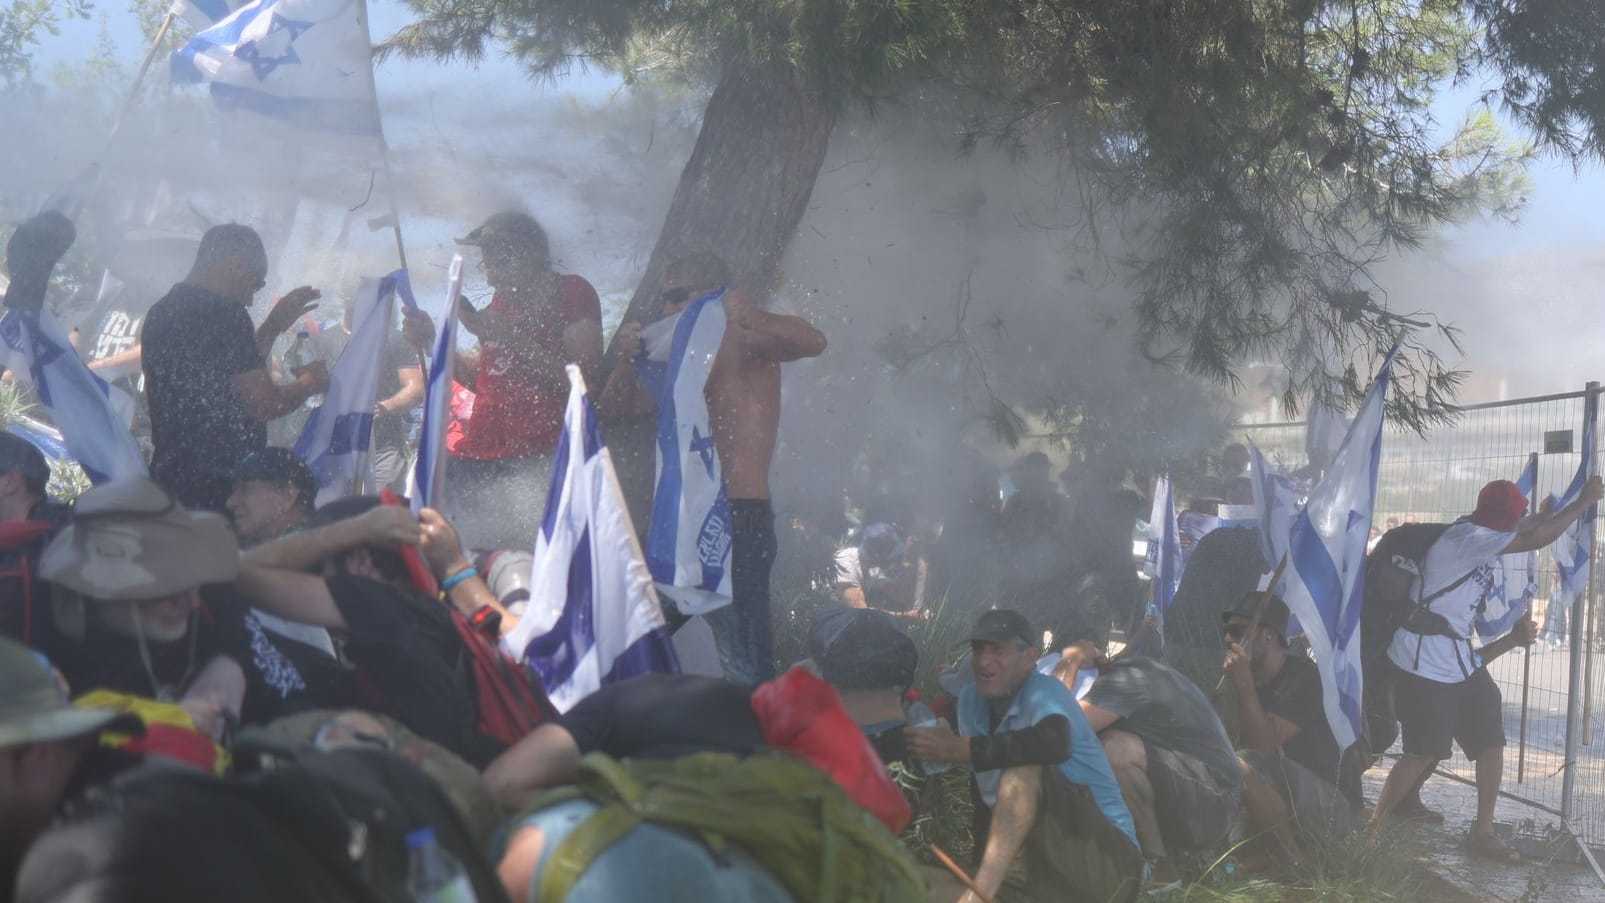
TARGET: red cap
(1500,505)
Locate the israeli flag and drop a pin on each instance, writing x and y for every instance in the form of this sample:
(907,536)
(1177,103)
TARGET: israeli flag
(593,616)
(1514,578)
(335,441)
(302,61)
(1572,550)
(1163,562)
(93,416)
(689,536)
(429,469)
(1324,541)
(203,14)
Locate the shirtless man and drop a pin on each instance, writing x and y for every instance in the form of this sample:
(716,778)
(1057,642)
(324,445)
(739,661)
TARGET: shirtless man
(743,395)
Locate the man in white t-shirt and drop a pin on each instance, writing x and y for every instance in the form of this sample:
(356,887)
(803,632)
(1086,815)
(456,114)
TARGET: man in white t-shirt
(1442,688)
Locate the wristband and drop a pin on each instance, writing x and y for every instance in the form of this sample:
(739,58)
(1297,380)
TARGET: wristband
(447,584)
(487,620)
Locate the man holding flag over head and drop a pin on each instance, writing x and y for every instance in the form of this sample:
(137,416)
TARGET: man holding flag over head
(736,394)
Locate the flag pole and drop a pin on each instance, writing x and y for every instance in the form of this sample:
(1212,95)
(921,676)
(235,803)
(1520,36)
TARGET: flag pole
(1253,623)
(1527,651)
(144,68)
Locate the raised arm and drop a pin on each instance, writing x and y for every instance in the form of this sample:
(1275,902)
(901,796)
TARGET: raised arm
(775,337)
(1537,532)
(266,400)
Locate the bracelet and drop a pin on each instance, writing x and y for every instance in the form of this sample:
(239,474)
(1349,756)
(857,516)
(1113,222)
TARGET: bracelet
(460,576)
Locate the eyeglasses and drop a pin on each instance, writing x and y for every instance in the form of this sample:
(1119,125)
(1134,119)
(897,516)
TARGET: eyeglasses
(1234,632)
(673,295)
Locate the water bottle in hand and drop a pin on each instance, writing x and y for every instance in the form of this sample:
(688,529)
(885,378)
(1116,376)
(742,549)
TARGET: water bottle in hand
(921,715)
(433,874)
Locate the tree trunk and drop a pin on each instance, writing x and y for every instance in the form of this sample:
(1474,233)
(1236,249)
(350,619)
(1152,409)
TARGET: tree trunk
(741,196)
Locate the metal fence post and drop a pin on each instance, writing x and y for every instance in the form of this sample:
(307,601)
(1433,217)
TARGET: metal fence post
(1576,689)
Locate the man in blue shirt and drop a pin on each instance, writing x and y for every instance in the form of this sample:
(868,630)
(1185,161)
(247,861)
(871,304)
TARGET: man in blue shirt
(1042,783)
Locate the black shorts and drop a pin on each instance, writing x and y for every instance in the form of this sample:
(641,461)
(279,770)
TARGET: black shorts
(1196,808)
(1431,714)
(1318,807)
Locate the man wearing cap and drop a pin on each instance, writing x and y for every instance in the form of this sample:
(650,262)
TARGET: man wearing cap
(27,521)
(45,752)
(1292,767)
(141,604)
(206,377)
(273,493)
(743,397)
(1442,689)
(1044,786)
(537,322)
(865,655)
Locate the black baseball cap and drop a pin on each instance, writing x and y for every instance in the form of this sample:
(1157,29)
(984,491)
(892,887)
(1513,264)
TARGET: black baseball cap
(861,649)
(507,228)
(1003,624)
(1275,617)
(17,453)
(277,465)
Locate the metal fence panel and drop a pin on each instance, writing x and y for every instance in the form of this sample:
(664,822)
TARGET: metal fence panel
(1435,478)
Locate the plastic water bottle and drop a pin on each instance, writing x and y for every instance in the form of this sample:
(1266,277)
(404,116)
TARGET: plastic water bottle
(433,874)
(920,715)
(302,354)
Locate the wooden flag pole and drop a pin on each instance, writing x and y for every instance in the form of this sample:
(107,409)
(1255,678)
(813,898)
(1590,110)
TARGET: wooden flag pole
(959,873)
(1259,612)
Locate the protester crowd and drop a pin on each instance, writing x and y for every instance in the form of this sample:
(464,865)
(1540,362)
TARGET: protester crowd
(218,688)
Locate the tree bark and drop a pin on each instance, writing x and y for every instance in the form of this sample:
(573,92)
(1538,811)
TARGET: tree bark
(747,183)
(741,196)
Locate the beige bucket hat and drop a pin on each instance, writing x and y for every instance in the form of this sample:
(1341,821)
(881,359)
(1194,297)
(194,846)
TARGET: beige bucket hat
(129,540)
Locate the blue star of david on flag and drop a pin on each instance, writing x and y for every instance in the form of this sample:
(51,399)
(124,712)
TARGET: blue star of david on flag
(281,35)
(703,446)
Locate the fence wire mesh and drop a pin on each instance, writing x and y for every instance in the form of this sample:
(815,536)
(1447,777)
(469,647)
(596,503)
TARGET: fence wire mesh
(1434,478)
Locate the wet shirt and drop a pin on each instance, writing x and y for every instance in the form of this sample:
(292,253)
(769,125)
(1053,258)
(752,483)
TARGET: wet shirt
(1295,695)
(1160,705)
(514,412)
(195,343)
(665,716)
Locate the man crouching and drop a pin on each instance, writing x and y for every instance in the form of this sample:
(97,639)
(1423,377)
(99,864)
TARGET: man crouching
(1041,779)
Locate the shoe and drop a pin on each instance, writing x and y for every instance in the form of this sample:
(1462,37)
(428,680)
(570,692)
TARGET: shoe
(1411,808)
(1486,844)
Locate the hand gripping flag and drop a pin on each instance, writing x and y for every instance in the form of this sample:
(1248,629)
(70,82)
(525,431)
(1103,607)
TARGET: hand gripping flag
(689,536)
(588,571)
(1514,578)
(301,61)
(429,470)
(334,443)
(93,417)
(1324,540)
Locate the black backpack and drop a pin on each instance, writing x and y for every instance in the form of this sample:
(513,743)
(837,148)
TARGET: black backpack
(294,824)
(1392,577)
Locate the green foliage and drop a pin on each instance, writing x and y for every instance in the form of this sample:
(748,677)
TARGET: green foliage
(67,479)
(23,24)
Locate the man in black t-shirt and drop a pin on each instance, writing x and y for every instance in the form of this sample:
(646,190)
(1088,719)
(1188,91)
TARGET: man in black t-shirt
(1292,767)
(206,379)
(401,388)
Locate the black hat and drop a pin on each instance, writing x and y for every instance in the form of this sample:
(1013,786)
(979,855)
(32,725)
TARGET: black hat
(1274,618)
(1002,624)
(17,453)
(277,465)
(861,649)
(508,228)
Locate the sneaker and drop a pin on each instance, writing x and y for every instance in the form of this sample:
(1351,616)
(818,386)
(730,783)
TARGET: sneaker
(1486,844)
(1411,808)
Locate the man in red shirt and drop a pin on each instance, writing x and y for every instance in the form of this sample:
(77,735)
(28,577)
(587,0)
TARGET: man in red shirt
(537,322)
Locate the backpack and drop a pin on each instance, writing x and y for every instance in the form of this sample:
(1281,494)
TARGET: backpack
(1392,580)
(21,591)
(294,824)
(508,701)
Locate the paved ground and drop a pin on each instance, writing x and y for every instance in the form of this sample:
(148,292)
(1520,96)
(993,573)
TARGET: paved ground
(1530,882)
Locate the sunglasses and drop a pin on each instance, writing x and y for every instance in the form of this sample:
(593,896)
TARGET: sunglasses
(1234,631)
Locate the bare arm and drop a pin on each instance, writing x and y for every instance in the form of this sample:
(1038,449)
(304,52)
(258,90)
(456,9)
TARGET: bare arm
(444,551)
(774,337)
(582,345)
(120,365)
(291,595)
(410,393)
(1019,800)
(1537,532)
(1260,729)
(266,400)
(853,596)
(1525,633)
(383,525)
(219,688)
(546,757)
(295,304)
(1097,717)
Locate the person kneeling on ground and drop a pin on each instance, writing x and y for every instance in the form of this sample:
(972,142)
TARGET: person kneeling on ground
(1176,766)
(1043,782)
(1291,767)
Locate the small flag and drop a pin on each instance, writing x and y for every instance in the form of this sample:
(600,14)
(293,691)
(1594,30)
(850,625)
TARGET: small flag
(301,61)
(1163,562)
(589,570)
(689,536)
(335,441)
(1324,540)
(429,470)
(93,416)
